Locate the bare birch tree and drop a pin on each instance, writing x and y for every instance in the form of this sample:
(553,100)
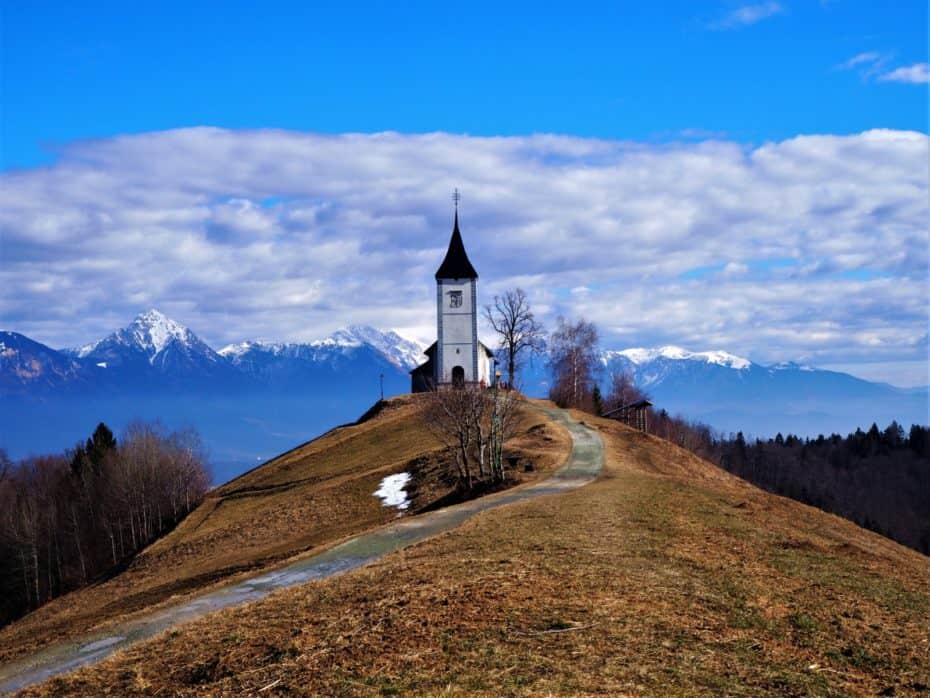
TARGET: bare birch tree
(623,390)
(574,362)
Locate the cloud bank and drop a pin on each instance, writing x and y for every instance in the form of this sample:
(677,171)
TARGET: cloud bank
(811,249)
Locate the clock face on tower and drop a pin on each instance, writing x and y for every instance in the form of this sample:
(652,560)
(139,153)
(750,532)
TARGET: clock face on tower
(455,299)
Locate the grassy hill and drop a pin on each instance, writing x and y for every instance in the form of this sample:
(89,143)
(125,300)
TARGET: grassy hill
(666,576)
(304,500)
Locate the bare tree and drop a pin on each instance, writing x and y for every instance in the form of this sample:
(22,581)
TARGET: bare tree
(503,415)
(623,390)
(473,423)
(454,417)
(518,331)
(574,362)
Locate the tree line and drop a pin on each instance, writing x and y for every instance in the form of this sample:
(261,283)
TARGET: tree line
(879,479)
(68,519)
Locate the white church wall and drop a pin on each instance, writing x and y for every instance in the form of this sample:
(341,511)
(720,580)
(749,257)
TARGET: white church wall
(484,367)
(457,328)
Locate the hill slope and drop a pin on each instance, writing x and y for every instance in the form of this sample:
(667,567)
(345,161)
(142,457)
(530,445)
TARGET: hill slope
(306,499)
(664,577)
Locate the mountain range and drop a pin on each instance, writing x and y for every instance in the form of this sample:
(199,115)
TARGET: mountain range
(157,354)
(731,393)
(253,399)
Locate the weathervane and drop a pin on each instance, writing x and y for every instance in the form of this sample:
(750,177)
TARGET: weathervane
(456,197)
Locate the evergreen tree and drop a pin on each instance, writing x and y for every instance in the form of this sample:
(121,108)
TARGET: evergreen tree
(79,460)
(597,400)
(99,445)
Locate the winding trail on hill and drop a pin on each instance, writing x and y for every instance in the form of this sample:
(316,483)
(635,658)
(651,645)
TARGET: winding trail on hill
(583,465)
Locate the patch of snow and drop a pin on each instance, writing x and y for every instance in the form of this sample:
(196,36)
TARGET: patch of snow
(391,491)
(87,349)
(675,353)
(723,358)
(641,355)
(102,364)
(234,351)
(637,356)
(791,366)
(337,339)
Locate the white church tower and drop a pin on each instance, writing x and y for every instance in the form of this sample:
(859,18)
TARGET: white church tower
(457,358)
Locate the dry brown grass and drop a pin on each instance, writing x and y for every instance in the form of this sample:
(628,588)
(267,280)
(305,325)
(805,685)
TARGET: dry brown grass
(303,500)
(665,577)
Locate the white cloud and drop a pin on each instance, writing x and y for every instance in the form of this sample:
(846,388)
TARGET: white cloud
(865,58)
(812,248)
(917,74)
(872,65)
(748,14)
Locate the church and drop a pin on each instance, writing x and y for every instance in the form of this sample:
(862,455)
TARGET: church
(456,358)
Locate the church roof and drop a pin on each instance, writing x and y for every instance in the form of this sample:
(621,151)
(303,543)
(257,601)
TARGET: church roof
(456,264)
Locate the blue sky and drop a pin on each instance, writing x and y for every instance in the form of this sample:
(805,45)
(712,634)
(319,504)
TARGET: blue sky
(747,176)
(644,71)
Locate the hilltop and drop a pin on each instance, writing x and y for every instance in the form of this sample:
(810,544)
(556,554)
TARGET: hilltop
(666,576)
(304,500)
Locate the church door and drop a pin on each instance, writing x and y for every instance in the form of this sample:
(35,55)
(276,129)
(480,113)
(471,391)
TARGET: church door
(458,376)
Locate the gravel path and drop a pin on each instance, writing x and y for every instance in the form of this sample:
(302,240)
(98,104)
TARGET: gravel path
(584,464)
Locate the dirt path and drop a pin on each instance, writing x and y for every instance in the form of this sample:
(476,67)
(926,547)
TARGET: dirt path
(583,465)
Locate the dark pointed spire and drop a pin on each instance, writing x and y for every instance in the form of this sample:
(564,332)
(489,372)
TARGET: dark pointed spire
(456,264)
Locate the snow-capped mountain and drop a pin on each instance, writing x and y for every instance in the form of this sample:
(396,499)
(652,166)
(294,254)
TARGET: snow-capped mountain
(154,351)
(403,353)
(666,370)
(351,357)
(640,356)
(27,365)
(732,393)
(342,344)
(651,368)
(157,353)
(250,400)
(152,336)
(150,332)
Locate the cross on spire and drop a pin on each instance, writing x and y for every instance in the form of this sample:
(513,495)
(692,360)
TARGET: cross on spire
(456,197)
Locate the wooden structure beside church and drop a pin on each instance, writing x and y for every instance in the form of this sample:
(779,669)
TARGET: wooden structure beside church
(635,415)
